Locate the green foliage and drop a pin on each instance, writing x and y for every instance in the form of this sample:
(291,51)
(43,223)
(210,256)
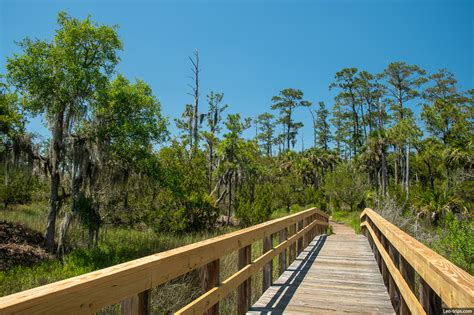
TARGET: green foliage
(350,218)
(347,186)
(456,242)
(16,188)
(256,211)
(65,74)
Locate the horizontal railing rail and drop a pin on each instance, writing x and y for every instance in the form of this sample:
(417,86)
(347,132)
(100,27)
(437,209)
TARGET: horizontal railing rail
(130,283)
(400,257)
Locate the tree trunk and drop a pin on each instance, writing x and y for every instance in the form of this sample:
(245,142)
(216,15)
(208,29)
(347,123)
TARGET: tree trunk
(63,232)
(230,200)
(54,202)
(384,174)
(407,176)
(211,158)
(430,171)
(196,100)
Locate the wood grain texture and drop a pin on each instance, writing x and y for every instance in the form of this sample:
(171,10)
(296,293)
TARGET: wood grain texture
(282,256)
(202,303)
(268,268)
(453,285)
(210,275)
(244,290)
(408,296)
(335,274)
(89,292)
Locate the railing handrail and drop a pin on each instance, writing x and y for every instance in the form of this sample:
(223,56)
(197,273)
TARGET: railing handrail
(453,285)
(89,292)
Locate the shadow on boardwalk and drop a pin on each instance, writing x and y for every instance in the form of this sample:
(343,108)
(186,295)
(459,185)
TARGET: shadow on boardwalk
(287,289)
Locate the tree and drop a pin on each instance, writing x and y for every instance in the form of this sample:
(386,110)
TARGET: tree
(195,93)
(322,127)
(286,102)
(61,79)
(447,116)
(232,152)
(346,185)
(214,119)
(342,124)
(402,81)
(123,126)
(347,82)
(266,127)
(185,125)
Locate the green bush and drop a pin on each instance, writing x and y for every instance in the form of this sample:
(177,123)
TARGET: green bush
(456,242)
(196,213)
(346,186)
(259,210)
(16,188)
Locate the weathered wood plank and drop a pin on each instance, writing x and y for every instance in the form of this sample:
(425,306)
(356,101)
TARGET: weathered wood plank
(214,295)
(337,274)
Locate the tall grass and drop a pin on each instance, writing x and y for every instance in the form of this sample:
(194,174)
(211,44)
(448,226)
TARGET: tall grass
(118,245)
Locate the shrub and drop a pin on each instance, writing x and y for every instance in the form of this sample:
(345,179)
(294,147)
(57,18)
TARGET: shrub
(456,242)
(16,188)
(259,210)
(196,213)
(345,185)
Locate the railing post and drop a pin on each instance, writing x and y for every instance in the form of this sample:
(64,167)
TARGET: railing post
(429,299)
(392,287)
(385,274)
(268,268)
(210,279)
(282,256)
(300,240)
(244,290)
(136,305)
(408,273)
(292,247)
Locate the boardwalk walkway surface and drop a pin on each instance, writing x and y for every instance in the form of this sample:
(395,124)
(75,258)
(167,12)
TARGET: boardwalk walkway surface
(335,274)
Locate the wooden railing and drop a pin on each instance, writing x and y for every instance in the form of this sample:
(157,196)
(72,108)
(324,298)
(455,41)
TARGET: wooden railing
(402,260)
(132,281)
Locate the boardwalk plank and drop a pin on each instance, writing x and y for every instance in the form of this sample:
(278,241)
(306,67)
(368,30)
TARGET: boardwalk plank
(335,274)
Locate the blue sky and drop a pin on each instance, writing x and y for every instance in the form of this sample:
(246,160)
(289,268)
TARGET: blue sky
(252,49)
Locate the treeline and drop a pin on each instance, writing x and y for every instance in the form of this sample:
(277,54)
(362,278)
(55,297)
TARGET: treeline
(401,134)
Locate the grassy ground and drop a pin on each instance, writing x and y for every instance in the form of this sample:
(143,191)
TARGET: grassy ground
(118,245)
(349,218)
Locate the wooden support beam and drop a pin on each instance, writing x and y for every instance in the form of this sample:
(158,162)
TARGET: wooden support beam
(429,299)
(453,285)
(385,274)
(292,247)
(244,291)
(282,256)
(136,305)
(268,268)
(408,273)
(300,241)
(209,279)
(412,302)
(392,288)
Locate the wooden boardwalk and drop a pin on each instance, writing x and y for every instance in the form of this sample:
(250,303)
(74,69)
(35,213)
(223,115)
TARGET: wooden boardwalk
(335,274)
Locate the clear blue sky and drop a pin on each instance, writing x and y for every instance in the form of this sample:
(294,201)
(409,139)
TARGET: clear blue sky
(251,49)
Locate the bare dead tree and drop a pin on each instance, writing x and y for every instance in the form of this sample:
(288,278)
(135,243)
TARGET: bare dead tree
(195,93)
